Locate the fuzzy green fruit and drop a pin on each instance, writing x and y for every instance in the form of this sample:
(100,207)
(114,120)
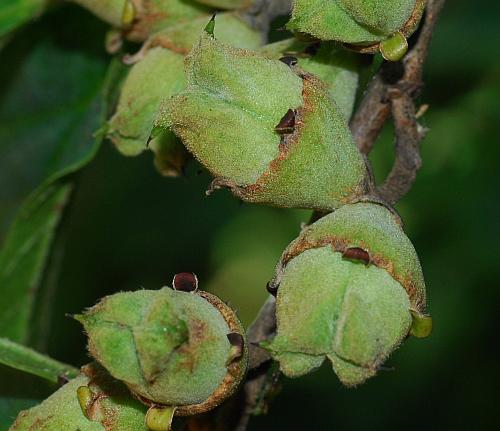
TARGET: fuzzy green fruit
(269,132)
(155,77)
(105,404)
(337,67)
(347,289)
(140,18)
(361,23)
(170,347)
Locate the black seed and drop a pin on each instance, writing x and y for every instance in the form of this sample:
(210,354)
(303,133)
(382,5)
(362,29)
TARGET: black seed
(287,123)
(235,339)
(289,60)
(272,288)
(356,253)
(185,281)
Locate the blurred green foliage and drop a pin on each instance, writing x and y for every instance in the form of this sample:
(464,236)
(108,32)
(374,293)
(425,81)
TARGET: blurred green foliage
(127,227)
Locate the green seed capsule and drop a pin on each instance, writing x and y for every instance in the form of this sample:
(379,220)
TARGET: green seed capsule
(348,288)
(361,24)
(93,401)
(158,75)
(170,347)
(231,116)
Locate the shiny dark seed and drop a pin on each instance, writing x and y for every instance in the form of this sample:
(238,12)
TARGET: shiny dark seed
(272,288)
(185,281)
(287,123)
(289,60)
(235,339)
(356,253)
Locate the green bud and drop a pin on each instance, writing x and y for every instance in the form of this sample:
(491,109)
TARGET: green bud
(140,18)
(337,67)
(361,24)
(93,401)
(347,289)
(267,131)
(160,418)
(421,325)
(394,48)
(170,347)
(157,76)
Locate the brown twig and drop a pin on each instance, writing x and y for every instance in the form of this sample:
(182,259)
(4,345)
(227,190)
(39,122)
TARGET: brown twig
(383,98)
(370,117)
(408,137)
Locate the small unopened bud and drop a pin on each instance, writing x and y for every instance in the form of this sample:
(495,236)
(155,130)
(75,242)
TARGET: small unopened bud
(128,13)
(421,326)
(160,418)
(394,48)
(85,399)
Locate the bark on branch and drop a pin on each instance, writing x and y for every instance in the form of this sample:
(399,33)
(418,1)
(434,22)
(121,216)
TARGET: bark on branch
(383,98)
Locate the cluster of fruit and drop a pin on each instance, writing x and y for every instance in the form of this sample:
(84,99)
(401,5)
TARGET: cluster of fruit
(271,124)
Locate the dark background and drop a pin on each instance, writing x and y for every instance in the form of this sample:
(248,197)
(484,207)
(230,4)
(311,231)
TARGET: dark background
(127,227)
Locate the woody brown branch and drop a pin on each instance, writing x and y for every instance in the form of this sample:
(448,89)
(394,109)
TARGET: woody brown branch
(383,99)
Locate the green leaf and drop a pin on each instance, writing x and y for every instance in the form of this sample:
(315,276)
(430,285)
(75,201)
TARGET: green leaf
(14,13)
(24,254)
(50,107)
(25,359)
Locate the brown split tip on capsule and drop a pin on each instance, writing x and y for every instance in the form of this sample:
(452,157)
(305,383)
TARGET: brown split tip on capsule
(289,60)
(272,288)
(358,254)
(185,282)
(287,123)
